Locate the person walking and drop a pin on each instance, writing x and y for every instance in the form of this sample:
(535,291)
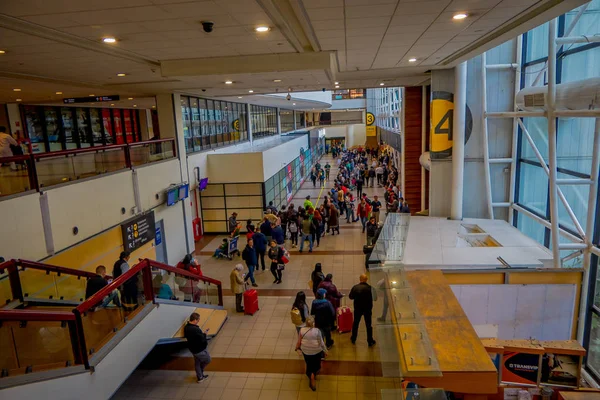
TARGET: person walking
(316,277)
(363,213)
(333,294)
(197,343)
(97,283)
(324,314)
(371,231)
(310,343)
(275,255)
(237,286)
(251,259)
(260,244)
(300,311)
(307,232)
(334,220)
(359,185)
(293,229)
(129,290)
(375,208)
(327,169)
(363,296)
(233,224)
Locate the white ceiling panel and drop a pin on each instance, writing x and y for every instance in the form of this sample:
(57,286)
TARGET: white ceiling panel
(421,7)
(308,4)
(328,25)
(186,10)
(395,40)
(19,8)
(330,34)
(409,30)
(358,32)
(324,14)
(409,20)
(468,5)
(371,10)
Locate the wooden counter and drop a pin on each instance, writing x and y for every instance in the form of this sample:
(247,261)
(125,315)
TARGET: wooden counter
(465,364)
(579,395)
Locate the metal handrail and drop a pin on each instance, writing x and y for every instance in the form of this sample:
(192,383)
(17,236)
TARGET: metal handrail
(74,152)
(35,315)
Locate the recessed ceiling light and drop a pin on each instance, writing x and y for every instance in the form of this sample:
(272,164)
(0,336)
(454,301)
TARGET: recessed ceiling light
(460,16)
(262,28)
(109,39)
(337,86)
(337,83)
(16,90)
(18,99)
(228,82)
(239,97)
(130,98)
(121,74)
(2,52)
(250,91)
(135,105)
(153,106)
(92,95)
(394,282)
(112,104)
(412,60)
(293,104)
(382,84)
(58,92)
(276,80)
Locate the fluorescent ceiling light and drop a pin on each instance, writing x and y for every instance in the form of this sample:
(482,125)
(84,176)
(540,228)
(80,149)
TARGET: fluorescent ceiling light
(228,82)
(337,83)
(109,39)
(18,99)
(58,92)
(412,60)
(250,91)
(460,16)
(130,98)
(262,28)
(121,74)
(276,80)
(381,84)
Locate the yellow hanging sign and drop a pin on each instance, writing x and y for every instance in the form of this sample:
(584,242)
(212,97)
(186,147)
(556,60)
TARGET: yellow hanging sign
(370,119)
(371,130)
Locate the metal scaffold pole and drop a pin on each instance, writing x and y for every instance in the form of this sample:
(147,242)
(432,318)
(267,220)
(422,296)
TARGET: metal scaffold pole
(552,159)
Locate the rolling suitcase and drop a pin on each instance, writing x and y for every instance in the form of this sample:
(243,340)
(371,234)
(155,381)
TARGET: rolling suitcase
(345,319)
(250,302)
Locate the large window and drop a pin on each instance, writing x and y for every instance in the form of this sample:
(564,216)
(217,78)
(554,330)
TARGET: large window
(264,121)
(212,123)
(287,120)
(347,94)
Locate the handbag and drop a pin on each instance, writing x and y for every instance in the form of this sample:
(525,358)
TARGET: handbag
(310,284)
(280,267)
(285,259)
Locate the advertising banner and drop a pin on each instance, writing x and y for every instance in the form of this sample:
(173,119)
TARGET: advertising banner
(290,182)
(520,368)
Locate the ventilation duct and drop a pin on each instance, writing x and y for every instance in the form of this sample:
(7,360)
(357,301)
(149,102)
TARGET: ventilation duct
(578,95)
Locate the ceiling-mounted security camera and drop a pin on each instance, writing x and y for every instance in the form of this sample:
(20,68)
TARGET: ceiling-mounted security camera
(288,97)
(207,26)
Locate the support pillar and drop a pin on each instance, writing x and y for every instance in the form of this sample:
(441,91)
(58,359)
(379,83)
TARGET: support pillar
(249,123)
(458,140)
(552,161)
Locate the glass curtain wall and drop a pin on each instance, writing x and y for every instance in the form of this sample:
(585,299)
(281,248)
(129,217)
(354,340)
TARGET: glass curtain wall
(287,120)
(264,121)
(574,154)
(386,104)
(212,123)
(300,119)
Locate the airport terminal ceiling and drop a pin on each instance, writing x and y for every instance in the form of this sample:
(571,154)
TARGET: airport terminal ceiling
(138,48)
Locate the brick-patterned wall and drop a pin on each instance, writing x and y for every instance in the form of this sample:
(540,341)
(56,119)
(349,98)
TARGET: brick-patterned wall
(412,143)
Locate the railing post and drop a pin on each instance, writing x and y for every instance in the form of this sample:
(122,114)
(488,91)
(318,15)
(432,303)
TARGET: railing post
(80,334)
(15,281)
(220,294)
(78,357)
(127,156)
(32,172)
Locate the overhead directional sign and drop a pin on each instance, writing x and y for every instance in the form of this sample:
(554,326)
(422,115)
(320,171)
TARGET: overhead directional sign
(138,231)
(90,99)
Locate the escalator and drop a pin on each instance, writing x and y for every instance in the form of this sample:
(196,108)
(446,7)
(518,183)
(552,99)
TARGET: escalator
(56,344)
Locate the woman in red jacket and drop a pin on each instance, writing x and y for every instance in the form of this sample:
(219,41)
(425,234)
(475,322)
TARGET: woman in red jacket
(333,294)
(189,287)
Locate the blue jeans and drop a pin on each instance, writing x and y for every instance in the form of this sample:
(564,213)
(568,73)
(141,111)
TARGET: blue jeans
(250,274)
(363,221)
(114,297)
(349,214)
(310,240)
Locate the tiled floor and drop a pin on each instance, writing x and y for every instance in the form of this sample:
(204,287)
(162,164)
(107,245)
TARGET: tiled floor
(177,385)
(263,344)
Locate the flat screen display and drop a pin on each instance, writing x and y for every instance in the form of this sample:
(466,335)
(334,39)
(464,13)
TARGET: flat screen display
(172,196)
(203,183)
(183,192)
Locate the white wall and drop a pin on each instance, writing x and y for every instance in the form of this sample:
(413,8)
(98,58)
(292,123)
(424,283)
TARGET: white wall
(277,157)
(153,179)
(348,104)
(318,96)
(355,134)
(22,234)
(544,312)
(92,206)
(115,368)
(174,230)
(234,168)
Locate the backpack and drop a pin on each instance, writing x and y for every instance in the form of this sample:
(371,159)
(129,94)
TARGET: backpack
(293,227)
(296,316)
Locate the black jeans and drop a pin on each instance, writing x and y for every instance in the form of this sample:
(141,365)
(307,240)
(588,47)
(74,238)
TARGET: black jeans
(261,256)
(238,302)
(358,314)
(276,272)
(327,335)
(294,238)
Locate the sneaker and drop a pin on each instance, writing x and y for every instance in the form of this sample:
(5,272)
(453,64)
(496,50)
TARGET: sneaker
(310,251)
(373,343)
(276,281)
(255,285)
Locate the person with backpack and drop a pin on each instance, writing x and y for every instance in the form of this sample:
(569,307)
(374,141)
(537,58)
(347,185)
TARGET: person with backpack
(299,311)
(293,229)
(129,290)
(251,259)
(372,176)
(324,314)
(333,294)
(307,229)
(316,277)
(276,256)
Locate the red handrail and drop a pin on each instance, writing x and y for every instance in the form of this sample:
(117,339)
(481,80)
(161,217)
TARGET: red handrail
(5,160)
(32,315)
(136,144)
(54,268)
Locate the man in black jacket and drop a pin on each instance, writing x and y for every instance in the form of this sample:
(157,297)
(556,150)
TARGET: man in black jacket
(324,316)
(363,296)
(97,283)
(196,340)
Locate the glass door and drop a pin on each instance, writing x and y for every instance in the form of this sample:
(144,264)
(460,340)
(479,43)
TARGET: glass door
(53,129)
(96,125)
(68,125)
(83,127)
(118,125)
(35,129)
(129,135)
(109,134)
(187,123)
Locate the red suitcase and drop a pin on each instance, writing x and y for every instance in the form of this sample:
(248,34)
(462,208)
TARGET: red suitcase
(345,319)
(250,302)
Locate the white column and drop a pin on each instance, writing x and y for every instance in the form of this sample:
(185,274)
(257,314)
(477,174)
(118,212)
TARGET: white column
(249,123)
(552,161)
(458,143)
(278,120)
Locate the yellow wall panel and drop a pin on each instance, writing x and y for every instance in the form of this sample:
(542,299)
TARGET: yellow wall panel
(474,278)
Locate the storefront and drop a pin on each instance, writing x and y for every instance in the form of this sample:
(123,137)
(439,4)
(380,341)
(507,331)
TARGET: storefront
(52,128)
